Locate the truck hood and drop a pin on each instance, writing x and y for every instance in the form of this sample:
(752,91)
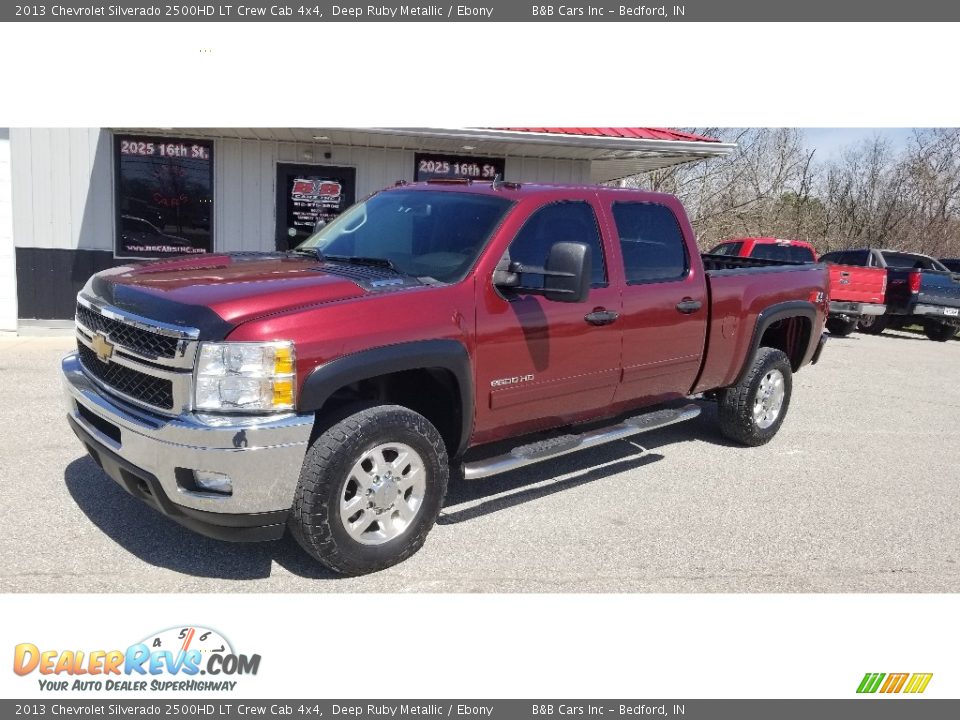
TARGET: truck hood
(218,292)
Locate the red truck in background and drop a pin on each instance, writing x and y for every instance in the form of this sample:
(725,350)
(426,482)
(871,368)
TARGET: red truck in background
(855,291)
(334,389)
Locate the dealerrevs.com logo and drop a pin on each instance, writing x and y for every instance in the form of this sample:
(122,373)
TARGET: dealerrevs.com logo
(176,659)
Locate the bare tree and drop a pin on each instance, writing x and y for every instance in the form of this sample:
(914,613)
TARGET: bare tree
(774,185)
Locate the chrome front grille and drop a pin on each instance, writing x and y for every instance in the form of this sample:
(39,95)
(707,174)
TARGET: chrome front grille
(136,385)
(145,362)
(143,342)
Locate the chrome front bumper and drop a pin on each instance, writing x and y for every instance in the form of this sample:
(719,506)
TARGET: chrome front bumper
(262,455)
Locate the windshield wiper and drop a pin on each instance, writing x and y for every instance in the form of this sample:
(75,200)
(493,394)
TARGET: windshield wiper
(312,252)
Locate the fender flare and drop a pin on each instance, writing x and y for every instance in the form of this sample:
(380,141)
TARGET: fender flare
(767,317)
(449,355)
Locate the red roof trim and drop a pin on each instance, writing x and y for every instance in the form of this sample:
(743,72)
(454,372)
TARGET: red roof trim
(628,133)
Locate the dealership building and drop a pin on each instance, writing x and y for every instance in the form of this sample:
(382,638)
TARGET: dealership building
(77,201)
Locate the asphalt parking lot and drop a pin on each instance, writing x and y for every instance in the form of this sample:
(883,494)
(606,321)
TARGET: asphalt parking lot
(859,492)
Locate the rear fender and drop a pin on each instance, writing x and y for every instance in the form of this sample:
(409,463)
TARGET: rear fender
(775,313)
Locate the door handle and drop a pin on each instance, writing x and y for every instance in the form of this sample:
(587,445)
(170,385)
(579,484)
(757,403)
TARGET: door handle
(689,305)
(601,317)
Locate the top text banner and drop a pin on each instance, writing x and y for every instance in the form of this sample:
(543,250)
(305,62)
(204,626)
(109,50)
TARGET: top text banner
(489,11)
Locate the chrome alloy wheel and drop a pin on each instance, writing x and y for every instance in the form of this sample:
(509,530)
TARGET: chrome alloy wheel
(383,493)
(769,400)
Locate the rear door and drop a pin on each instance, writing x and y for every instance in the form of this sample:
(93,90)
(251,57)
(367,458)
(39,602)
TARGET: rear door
(664,302)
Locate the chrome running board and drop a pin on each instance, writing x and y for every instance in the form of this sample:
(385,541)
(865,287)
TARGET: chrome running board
(564,444)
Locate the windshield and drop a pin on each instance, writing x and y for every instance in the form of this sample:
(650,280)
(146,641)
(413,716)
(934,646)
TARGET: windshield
(434,235)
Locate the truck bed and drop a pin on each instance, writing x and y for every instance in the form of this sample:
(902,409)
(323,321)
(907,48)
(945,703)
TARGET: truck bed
(716,263)
(740,289)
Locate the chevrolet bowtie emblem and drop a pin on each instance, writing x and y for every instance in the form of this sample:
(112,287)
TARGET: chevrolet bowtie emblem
(102,347)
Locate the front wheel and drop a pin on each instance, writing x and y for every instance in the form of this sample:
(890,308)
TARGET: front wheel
(939,332)
(841,328)
(753,410)
(370,490)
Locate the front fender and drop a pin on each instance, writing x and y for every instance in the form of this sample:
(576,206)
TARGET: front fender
(448,355)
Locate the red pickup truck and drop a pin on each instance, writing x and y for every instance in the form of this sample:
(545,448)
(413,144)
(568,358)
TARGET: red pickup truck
(336,388)
(855,292)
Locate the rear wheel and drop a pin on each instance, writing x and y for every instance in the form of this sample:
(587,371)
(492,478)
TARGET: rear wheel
(939,332)
(840,327)
(753,410)
(872,324)
(370,490)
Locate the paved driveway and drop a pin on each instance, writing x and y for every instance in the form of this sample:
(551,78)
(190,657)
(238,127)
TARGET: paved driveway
(860,492)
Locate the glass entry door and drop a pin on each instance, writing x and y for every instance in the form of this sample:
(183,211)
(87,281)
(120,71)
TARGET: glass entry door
(309,196)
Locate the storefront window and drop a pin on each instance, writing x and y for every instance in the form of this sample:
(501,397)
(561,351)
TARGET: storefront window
(164,197)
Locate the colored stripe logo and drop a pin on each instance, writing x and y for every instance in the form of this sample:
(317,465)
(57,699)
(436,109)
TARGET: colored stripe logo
(894,683)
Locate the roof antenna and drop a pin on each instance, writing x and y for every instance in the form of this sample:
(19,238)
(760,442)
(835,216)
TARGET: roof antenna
(497,182)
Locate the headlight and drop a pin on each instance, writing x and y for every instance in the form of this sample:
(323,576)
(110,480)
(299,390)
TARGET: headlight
(246,377)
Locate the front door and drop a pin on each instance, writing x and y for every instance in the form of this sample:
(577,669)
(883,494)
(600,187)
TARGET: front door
(308,196)
(542,363)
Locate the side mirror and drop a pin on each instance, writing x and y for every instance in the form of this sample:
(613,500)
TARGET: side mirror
(566,276)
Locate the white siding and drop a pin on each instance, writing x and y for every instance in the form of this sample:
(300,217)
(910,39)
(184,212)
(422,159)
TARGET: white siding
(8,275)
(246,175)
(63,188)
(63,181)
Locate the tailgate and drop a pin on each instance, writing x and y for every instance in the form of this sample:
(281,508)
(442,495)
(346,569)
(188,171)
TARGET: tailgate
(939,288)
(851,283)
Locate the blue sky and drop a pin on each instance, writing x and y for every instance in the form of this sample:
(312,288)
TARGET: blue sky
(830,142)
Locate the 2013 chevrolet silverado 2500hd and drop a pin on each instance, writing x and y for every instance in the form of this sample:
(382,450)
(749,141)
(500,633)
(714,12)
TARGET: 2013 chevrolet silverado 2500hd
(335,388)
(854,291)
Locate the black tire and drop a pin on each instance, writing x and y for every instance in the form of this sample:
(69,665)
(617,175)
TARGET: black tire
(939,332)
(315,519)
(736,404)
(872,324)
(841,328)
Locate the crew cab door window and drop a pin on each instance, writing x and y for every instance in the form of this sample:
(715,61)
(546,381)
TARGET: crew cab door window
(573,221)
(651,243)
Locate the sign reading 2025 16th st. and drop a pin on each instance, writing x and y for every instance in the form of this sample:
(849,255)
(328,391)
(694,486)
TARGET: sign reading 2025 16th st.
(181,659)
(454,167)
(164,203)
